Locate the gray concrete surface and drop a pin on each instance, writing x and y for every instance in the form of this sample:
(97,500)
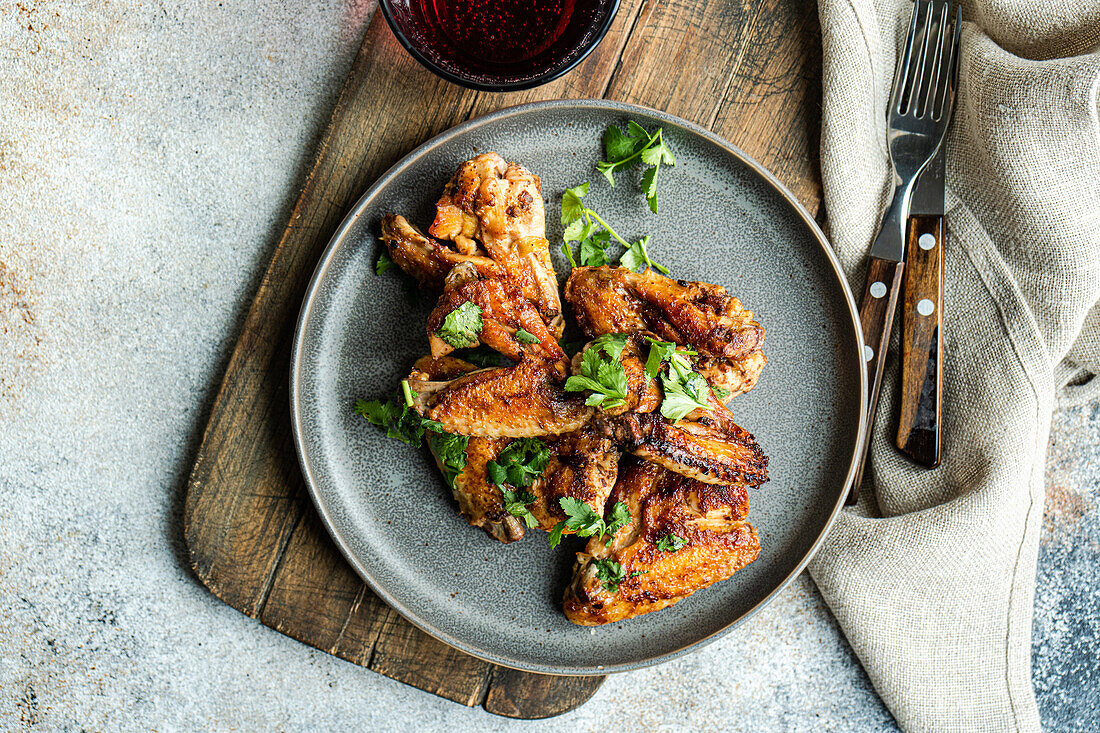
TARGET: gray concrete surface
(148,156)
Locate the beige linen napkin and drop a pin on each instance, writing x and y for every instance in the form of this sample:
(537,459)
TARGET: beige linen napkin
(932,577)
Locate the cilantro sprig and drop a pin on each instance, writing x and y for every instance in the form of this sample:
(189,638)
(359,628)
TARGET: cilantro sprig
(611,574)
(462,326)
(383,263)
(602,372)
(670,543)
(684,388)
(585,522)
(518,466)
(396,415)
(623,149)
(593,236)
(450,449)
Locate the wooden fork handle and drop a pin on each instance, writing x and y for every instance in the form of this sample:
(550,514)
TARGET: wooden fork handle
(922,342)
(876,314)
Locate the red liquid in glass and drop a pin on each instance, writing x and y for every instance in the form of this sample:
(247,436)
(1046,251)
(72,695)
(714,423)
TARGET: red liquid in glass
(494,33)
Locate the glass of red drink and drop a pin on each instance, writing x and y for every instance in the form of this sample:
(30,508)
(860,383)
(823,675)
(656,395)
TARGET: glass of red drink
(499,45)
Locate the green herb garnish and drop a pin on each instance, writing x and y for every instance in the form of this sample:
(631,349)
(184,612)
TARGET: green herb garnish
(450,449)
(684,388)
(625,148)
(520,463)
(526,337)
(585,522)
(670,543)
(602,372)
(396,415)
(516,503)
(462,326)
(636,258)
(581,225)
(383,263)
(610,573)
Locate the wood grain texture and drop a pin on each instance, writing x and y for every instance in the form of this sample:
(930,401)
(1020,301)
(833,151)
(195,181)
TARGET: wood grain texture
(921,342)
(750,71)
(876,313)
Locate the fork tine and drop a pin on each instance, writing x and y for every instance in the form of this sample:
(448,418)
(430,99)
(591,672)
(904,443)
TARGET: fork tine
(946,85)
(922,69)
(933,70)
(901,77)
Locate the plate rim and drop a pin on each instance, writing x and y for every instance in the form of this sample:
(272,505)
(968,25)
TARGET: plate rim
(325,260)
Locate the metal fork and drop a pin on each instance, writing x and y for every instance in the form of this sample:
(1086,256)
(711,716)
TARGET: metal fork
(920,109)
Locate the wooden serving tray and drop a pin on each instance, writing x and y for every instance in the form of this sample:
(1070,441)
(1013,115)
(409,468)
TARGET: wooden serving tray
(747,69)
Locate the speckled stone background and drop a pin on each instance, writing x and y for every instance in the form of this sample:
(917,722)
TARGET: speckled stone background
(149,154)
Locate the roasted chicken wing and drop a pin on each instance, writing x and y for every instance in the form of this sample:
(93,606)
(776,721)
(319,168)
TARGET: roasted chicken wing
(683,535)
(706,317)
(499,206)
(521,401)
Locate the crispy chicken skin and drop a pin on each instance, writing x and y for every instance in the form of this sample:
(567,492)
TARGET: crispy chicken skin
(522,401)
(583,465)
(709,518)
(504,311)
(426,259)
(499,206)
(704,316)
(707,446)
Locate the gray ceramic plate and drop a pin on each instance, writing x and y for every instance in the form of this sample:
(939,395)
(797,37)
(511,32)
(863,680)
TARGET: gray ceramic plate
(724,219)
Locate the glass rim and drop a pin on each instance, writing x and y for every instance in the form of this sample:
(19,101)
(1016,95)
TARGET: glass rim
(543,78)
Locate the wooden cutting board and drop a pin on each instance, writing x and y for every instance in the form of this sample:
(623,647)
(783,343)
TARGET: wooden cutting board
(747,69)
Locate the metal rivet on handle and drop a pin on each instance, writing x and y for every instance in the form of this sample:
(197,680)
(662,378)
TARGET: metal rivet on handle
(878,289)
(868,353)
(926,307)
(926,241)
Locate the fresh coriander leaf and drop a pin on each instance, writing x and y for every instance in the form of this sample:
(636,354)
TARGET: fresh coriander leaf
(659,351)
(568,253)
(397,417)
(516,503)
(636,573)
(593,252)
(519,463)
(577,231)
(683,396)
(555,534)
(585,522)
(462,326)
(612,344)
(571,206)
(450,450)
(608,171)
(670,543)
(383,263)
(602,372)
(620,517)
(611,574)
(638,132)
(526,337)
(636,257)
(720,392)
(617,144)
(649,187)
